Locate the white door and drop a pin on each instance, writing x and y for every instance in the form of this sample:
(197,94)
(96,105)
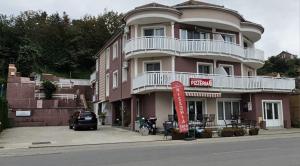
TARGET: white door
(272,114)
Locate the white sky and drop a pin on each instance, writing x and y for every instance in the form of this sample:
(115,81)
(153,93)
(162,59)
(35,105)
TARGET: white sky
(280,18)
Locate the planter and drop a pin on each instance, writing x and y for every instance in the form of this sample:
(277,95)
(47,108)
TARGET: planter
(253,131)
(177,136)
(207,133)
(239,132)
(227,132)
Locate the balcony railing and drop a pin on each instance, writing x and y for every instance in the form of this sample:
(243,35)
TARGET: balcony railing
(153,80)
(201,46)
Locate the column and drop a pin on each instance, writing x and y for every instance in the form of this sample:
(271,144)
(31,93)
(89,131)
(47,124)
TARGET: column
(172,30)
(133,111)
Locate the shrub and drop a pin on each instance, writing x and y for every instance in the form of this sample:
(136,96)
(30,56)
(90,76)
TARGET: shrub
(207,133)
(3,114)
(227,132)
(239,132)
(253,131)
(49,89)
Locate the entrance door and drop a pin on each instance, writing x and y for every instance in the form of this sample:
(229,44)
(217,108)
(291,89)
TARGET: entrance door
(272,114)
(195,110)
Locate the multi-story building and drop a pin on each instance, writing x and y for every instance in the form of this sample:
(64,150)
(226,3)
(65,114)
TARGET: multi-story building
(209,48)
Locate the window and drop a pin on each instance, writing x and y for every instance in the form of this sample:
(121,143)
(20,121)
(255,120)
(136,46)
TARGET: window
(204,68)
(158,31)
(250,73)
(229,38)
(227,110)
(115,79)
(115,50)
(151,66)
(107,85)
(124,74)
(228,68)
(185,34)
(107,56)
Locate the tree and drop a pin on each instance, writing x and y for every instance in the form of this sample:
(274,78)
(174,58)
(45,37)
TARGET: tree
(49,89)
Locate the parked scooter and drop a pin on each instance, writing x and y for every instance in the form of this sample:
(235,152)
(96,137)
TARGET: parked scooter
(148,126)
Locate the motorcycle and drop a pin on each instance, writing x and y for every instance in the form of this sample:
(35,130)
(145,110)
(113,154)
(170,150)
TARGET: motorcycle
(148,126)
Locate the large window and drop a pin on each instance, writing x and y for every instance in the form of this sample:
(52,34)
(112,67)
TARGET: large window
(151,66)
(186,34)
(115,79)
(204,68)
(155,31)
(228,110)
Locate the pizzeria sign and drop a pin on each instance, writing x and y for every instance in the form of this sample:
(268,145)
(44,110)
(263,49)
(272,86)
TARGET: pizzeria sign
(201,82)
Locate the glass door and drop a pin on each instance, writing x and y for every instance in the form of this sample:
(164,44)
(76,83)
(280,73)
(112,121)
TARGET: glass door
(271,114)
(195,110)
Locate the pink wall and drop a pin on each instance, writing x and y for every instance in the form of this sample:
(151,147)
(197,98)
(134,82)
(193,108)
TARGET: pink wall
(43,117)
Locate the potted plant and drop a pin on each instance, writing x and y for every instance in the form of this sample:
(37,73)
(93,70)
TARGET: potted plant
(176,135)
(102,116)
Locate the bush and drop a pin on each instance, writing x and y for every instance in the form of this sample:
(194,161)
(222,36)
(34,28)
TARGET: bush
(227,132)
(49,89)
(253,131)
(239,132)
(207,133)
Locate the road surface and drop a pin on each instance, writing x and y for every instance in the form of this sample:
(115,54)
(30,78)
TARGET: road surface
(270,152)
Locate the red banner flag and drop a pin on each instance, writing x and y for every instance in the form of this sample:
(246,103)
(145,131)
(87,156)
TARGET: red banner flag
(180,106)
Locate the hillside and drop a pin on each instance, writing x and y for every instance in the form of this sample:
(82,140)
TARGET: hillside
(39,42)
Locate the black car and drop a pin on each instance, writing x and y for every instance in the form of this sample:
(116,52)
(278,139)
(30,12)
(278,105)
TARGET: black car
(83,120)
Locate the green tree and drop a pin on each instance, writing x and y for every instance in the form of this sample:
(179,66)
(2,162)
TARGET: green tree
(49,89)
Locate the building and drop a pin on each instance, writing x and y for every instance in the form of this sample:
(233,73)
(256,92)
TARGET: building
(198,41)
(27,103)
(286,55)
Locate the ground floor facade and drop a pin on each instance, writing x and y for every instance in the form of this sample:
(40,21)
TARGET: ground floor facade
(273,108)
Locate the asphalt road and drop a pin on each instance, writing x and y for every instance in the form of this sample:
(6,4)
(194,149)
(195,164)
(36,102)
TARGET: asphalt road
(271,152)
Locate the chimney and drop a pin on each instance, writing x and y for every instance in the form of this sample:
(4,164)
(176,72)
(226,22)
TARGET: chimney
(12,70)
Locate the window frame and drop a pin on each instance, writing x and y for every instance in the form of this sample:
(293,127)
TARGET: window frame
(107,58)
(227,65)
(151,62)
(115,79)
(211,69)
(153,27)
(107,84)
(223,101)
(115,50)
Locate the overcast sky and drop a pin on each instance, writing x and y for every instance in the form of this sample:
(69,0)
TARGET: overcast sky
(281,18)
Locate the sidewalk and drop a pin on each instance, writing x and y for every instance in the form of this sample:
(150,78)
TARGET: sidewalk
(60,136)
(26,137)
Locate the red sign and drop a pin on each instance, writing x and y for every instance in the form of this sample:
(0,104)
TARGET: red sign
(201,82)
(180,106)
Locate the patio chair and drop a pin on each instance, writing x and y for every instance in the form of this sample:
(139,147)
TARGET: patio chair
(211,119)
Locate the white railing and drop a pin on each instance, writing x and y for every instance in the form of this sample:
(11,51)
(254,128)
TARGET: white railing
(83,82)
(57,96)
(156,79)
(58,84)
(202,46)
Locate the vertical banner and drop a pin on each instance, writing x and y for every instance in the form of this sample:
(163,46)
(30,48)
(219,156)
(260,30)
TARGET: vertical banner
(180,106)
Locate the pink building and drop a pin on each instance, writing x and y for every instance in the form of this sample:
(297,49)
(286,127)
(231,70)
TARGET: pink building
(191,40)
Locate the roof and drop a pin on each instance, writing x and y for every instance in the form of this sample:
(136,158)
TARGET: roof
(195,3)
(153,5)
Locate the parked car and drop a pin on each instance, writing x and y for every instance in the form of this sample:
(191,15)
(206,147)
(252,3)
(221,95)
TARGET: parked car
(83,120)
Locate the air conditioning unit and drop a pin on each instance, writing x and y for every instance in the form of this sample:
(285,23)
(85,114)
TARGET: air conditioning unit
(125,65)
(126,29)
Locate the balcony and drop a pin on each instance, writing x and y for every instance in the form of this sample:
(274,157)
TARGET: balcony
(154,81)
(191,47)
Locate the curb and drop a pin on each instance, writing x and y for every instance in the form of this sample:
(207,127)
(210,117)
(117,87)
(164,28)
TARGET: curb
(74,145)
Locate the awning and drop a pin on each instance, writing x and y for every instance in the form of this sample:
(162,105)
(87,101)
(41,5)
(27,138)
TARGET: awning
(203,94)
